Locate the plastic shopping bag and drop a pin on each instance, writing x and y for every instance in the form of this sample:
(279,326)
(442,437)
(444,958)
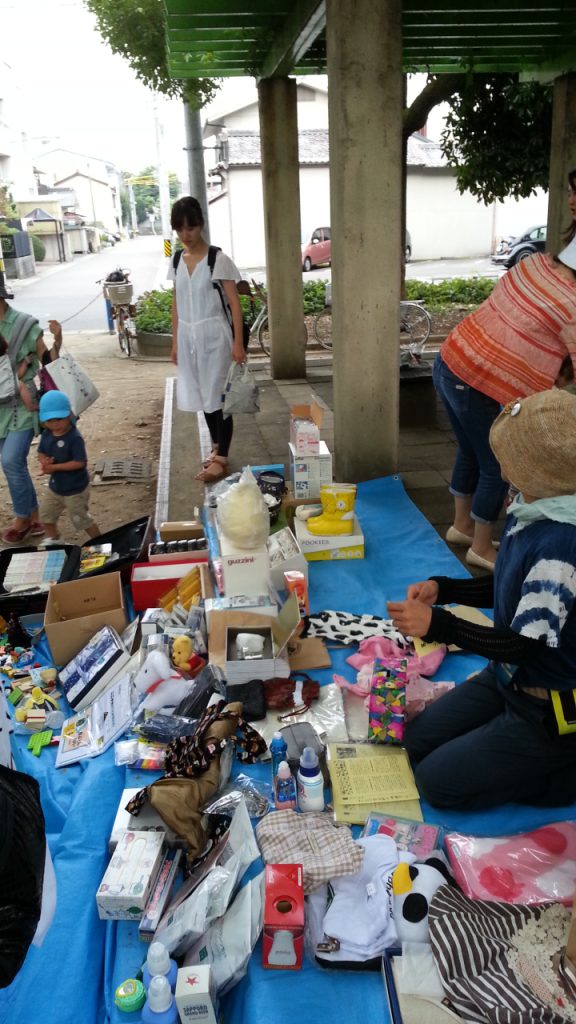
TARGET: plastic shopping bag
(73,381)
(240,391)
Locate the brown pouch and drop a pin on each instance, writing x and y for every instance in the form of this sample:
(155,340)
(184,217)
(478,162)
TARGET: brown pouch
(297,691)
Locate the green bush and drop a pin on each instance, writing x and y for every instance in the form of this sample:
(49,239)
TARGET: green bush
(460,291)
(314,297)
(154,312)
(38,248)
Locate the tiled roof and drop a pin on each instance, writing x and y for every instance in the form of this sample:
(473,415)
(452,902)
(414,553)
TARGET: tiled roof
(243,149)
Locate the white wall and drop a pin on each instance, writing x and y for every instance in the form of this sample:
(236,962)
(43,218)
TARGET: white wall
(442,223)
(219,220)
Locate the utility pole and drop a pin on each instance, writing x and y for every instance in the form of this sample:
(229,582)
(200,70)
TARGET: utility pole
(195,155)
(163,183)
(132,201)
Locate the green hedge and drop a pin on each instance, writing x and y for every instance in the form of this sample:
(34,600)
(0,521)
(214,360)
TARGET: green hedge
(154,312)
(460,291)
(38,248)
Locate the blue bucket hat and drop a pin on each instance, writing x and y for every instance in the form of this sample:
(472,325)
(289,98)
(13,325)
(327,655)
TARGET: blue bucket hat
(54,405)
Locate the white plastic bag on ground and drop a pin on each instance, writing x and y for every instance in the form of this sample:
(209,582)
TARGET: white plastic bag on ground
(243,514)
(229,942)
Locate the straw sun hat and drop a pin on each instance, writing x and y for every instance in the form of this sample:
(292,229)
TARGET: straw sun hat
(534,440)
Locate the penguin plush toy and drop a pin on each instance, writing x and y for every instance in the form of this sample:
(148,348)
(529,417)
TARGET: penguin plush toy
(413,886)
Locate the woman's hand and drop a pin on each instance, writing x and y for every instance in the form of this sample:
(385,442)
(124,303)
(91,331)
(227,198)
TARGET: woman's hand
(238,353)
(411,617)
(425,592)
(55,329)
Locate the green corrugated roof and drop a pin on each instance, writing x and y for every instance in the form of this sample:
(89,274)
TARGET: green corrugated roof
(222,38)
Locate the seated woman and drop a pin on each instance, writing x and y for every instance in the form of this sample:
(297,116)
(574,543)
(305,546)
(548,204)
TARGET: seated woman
(509,733)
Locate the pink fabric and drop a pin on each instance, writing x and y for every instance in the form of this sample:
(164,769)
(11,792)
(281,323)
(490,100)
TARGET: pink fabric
(380,647)
(420,692)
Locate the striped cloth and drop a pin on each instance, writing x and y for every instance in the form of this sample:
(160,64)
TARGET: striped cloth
(470,941)
(513,345)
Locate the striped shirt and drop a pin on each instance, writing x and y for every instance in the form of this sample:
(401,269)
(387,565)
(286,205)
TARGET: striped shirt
(513,345)
(535,596)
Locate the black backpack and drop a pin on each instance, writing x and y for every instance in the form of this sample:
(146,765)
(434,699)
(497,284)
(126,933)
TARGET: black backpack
(213,251)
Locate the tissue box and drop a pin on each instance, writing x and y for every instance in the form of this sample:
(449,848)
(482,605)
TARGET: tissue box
(283,937)
(124,891)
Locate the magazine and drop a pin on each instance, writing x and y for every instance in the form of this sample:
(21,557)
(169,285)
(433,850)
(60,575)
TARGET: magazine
(91,732)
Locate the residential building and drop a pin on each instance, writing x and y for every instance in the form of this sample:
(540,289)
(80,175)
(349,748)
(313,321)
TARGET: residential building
(16,171)
(95,181)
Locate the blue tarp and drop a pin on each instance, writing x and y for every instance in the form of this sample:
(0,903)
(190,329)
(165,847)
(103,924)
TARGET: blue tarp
(73,977)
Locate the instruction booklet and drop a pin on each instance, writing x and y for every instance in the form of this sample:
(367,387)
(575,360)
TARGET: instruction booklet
(92,731)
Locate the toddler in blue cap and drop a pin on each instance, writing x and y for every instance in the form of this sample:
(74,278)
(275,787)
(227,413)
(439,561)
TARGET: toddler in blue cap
(62,457)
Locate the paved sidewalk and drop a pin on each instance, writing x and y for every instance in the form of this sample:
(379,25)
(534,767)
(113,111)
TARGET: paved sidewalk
(427,447)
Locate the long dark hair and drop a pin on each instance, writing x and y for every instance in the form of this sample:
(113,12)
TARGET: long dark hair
(570,232)
(186,210)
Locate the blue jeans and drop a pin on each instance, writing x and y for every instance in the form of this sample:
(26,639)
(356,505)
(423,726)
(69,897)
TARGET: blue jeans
(14,449)
(476,471)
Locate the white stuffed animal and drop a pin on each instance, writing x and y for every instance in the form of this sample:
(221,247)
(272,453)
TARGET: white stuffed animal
(163,686)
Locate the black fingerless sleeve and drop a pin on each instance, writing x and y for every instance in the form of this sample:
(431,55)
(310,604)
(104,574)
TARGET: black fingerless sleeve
(496,644)
(477,592)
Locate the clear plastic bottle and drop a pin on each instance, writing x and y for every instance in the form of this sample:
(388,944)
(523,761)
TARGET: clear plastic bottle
(310,782)
(158,962)
(284,788)
(278,750)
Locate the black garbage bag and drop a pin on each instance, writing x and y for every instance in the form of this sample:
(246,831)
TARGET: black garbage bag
(22,858)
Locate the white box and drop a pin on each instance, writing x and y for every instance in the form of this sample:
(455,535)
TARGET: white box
(123,892)
(277,632)
(244,572)
(305,423)
(333,548)
(195,996)
(285,554)
(147,821)
(309,472)
(149,622)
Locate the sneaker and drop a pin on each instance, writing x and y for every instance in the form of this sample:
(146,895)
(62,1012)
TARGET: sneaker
(50,542)
(36,530)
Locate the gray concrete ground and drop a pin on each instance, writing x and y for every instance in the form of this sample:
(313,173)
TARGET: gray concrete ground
(427,446)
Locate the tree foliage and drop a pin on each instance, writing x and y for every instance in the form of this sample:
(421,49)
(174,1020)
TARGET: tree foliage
(136,29)
(497,136)
(146,192)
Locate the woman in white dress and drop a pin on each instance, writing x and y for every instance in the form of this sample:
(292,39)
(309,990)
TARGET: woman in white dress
(204,341)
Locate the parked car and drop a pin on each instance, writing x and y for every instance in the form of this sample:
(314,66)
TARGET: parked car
(317,249)
(511,250)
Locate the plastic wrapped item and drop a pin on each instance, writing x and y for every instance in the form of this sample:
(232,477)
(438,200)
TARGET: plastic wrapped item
(161,728)
(243,514)
(125,752)
(257,795)
(228,944)
(150,757)
(326,716)
(209,681)
(533,867)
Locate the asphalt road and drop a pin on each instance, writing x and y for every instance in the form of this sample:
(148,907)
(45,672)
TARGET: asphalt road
(69,292)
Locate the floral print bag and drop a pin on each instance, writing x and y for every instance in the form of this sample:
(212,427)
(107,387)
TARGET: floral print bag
(387,702)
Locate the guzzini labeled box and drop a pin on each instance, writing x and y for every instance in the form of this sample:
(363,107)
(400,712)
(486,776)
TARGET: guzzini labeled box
(244,571)
(75,611)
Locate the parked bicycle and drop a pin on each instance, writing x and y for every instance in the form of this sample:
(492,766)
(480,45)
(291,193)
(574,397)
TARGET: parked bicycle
(415,327)
(259,329)
(118,290)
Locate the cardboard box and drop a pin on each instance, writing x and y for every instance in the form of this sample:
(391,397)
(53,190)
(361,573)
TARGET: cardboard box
(259,604)
(150,621)
(183,529)
(125,889)
(283,935)
(285,554)
(75,611)
(305,423)
(244,572)
(224,626)
(195,995)
(320,549)
(151,581)
(309,472)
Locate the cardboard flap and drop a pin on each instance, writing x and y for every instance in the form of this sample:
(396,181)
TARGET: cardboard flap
(286,623)
(313,412)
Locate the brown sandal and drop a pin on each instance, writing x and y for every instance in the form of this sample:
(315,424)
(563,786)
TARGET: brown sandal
(217,469)
(213,453)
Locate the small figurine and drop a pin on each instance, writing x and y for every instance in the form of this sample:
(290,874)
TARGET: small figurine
(184,656)
(34,711)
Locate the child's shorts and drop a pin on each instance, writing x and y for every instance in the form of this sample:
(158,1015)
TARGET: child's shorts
(53,505)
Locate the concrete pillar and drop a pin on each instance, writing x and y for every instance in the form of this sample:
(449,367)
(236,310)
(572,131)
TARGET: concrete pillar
(281,189)
(364,45)
(562,158)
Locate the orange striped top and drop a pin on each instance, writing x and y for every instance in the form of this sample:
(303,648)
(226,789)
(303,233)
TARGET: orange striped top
(514,344)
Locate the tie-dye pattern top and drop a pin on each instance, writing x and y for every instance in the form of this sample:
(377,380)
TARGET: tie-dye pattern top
(514,344)
(535,595)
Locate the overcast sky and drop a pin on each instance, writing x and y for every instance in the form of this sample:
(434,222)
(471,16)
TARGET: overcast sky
(78,94)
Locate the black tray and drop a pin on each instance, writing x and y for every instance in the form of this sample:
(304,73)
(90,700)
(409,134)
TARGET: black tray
(130,541)
(28,604)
